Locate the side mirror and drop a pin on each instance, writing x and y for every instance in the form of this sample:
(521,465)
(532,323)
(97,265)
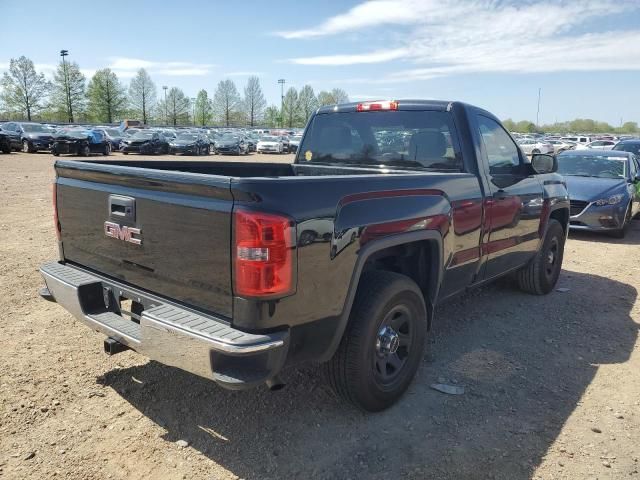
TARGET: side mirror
(543,163)
(636,179)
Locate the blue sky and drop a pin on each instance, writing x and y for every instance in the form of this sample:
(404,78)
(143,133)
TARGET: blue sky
(584,54)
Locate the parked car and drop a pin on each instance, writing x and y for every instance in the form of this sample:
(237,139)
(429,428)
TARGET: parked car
(80,141)
(115,137)
(596,145)
(33,136)
(577,139)
(9,140)
(270,144)
(189,143)
(533,147)
(231,144)
(223,284)
(294,142)
(629,145)
(560,146)
(286,143)
(145,142)
(604,189)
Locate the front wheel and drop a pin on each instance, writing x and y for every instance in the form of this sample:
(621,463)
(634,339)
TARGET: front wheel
(540,275)
(84,151)
(622,232)
(26,148)
(107,149)
(383,344)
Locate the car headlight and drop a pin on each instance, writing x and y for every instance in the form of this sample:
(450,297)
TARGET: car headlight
(612,200)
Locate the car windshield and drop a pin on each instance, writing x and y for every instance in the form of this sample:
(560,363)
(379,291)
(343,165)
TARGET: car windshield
(114,132)
(628,147)
(34,127)
(413,139)
(74,133)
(600,166)
(143,135)
(187,136)
(229,138)
(268,139)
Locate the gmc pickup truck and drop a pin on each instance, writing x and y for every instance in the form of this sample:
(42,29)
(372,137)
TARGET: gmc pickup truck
(233,271)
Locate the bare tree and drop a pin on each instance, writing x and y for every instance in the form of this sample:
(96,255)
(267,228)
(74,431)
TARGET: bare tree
(69,104)
(142,94)
(177,106)
(307,102)
(226,102)
(337,95)
(254,102)
(23,89)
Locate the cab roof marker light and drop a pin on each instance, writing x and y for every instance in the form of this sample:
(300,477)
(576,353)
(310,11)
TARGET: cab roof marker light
(377,105)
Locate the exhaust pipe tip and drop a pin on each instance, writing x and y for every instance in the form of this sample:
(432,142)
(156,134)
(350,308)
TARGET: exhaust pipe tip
(275,383)
(112,346)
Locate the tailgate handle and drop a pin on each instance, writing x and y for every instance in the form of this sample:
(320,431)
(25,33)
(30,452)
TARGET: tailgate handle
(122,207)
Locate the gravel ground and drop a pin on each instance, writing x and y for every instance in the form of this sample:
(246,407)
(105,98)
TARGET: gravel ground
(552,384)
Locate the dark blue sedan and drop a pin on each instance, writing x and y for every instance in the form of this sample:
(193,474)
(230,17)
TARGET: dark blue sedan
(604,189)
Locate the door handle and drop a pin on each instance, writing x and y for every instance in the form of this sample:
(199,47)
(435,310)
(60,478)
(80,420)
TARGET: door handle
(500,195)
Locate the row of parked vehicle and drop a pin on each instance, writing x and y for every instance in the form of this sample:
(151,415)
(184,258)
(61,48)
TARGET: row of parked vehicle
(32,137)
(554,144)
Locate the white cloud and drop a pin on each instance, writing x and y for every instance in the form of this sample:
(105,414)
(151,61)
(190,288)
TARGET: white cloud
(244,74)
(450,37)
(126,67)
(353,59)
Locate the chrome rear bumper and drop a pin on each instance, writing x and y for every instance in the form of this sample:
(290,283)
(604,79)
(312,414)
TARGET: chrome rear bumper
(168,332)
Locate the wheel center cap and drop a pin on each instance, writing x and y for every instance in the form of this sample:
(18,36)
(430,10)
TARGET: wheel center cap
(388,341)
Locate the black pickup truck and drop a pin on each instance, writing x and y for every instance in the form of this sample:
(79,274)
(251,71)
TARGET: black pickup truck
(233,271)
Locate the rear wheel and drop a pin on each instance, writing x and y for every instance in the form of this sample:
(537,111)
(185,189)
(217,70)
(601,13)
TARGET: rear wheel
(383,344)
(6,147)
(540,275)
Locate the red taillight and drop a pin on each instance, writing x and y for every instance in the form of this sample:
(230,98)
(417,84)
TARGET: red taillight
(263,254)
(56,222)
(383,105)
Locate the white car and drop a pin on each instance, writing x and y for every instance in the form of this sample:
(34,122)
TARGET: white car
(532,147)
(270,144)
(577,139)
(597,145)
(560,146)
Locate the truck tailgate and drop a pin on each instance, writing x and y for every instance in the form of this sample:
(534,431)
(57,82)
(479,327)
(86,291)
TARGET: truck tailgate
(182,248)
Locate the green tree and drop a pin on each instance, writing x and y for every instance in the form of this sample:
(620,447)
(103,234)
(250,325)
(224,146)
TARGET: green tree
(272,116)
(325,98)
(308,103)
(226,102)
(629,127)
(254,102)
(63,104)
(177,107)
(142,95)
(290,110)
(106,96)
(23,89)
(203,108)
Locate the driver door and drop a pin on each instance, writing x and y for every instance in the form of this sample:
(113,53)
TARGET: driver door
(513,204)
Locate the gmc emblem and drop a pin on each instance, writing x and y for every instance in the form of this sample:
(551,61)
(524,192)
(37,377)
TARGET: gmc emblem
(122,232)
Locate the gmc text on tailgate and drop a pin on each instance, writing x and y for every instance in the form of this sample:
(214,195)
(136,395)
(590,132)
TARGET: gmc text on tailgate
(233,271)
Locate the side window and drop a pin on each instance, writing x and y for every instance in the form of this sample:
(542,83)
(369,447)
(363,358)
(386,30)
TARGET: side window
(502,153)
(633,166)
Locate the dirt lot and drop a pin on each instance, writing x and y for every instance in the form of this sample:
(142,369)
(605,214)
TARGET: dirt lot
(552,383)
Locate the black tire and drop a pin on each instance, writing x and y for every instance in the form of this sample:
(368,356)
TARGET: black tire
(622,232)
(6,147)
(125,153)
(84,151)
(540,275)
(355,372)
(26,147)
(107,149)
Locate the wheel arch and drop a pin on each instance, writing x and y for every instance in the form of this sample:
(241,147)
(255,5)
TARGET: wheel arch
(404,253)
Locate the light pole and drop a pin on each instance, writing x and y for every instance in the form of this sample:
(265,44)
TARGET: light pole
(538,112)
(64,53)
(193,108)
(166,120)
(282,81)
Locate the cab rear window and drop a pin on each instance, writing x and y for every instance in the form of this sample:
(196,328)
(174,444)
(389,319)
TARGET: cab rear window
(406,139)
